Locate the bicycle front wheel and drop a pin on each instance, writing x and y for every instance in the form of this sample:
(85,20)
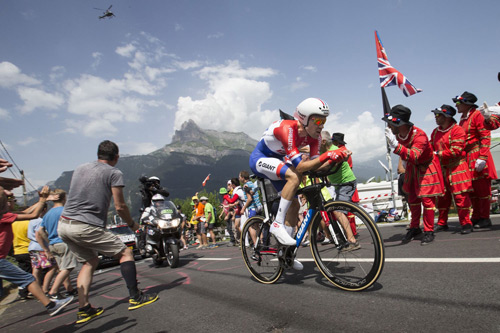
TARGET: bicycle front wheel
(349,270)
(260,251)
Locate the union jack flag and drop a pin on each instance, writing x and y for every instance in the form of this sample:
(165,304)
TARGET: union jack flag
(390,76)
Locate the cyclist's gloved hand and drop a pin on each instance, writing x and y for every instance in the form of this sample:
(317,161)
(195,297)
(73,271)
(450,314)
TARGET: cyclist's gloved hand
(333,156)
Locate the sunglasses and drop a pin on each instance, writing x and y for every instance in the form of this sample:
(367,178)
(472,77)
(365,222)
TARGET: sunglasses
(319,122)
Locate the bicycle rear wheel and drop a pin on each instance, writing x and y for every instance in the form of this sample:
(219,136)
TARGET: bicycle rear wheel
(349,270)
(260,251)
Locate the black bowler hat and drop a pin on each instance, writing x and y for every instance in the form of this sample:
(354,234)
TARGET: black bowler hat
(339,137)
(446,110)
(399,115)
(466,98)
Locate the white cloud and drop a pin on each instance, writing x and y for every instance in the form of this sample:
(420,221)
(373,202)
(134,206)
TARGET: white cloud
(233,101)
(178,27)
(216,35)
(298,84)
(99,127)
(97,59)
(152,73)
(27,141)
(103,103)
(107,102)
(4,114)
(365,138)
(57,72)
(35,98)
(310,68)
(188,64)
(232,69)
(11,76)
(126,51)
(137,148)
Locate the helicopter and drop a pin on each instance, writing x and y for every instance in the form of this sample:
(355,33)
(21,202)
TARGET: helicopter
(106,13)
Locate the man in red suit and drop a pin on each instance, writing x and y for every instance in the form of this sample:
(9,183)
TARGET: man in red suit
(479,159)
(448,142)
(423,179)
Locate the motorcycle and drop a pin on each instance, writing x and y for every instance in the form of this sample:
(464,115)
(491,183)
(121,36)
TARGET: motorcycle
(163,233)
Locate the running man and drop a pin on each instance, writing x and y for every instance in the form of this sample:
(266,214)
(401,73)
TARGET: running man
(281,140)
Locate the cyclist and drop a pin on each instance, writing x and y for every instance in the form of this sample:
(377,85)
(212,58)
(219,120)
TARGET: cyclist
(282,140)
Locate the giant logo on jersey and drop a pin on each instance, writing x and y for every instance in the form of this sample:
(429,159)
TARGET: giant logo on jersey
(266,166)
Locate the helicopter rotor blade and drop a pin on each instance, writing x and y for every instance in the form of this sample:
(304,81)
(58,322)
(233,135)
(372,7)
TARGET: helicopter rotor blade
(98,8)
(110,7)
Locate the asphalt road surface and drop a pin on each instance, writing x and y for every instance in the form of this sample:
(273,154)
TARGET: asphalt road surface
(451,285)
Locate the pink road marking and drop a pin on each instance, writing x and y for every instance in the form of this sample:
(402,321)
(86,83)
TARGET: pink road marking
(187,281)
(65,313)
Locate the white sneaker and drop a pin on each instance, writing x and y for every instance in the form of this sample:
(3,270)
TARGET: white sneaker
(278,230)
(297,265)
(326,241)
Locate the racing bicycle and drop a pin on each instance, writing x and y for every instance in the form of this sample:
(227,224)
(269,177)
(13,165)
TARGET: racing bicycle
(266,258)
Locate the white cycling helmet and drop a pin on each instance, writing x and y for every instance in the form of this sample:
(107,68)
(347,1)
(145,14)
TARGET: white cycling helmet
(158,197)
(154,178)
(309,107)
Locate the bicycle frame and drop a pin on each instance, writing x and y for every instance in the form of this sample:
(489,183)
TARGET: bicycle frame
(317,203)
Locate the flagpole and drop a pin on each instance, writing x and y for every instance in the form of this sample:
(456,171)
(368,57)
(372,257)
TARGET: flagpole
(387,108)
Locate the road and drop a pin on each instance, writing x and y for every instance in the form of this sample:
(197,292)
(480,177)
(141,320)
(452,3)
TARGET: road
(450,285)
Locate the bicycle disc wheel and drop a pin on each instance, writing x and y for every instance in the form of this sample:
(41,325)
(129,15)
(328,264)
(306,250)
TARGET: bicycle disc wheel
(349,270)
(260,251)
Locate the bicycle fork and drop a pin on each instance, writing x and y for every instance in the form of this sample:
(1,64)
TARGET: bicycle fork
(335,229)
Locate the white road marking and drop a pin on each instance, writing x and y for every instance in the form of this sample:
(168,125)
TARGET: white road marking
(429,260)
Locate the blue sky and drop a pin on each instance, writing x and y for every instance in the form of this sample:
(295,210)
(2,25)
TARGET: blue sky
(69,80)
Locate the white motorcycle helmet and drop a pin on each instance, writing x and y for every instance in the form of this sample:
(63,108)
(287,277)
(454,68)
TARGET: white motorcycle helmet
(308,107)
(158,197)
(154,179)
(157,200)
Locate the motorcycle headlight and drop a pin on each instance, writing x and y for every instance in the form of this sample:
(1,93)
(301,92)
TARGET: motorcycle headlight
(174,223)
(163,224)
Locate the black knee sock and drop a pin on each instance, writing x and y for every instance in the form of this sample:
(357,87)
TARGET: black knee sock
(130,276)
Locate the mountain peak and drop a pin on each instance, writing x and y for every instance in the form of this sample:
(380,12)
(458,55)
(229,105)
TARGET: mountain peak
(190,138)
(189,132)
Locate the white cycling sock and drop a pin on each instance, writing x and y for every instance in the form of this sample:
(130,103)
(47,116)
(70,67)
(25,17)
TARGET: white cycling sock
(283,208)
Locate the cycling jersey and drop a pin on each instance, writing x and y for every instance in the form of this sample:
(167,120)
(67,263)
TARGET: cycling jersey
(280,142)
(282,139)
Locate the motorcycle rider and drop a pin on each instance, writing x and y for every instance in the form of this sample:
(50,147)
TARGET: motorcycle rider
(157,202)
(150,187)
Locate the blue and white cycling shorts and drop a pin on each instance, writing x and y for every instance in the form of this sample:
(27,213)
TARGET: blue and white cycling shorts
(271,168)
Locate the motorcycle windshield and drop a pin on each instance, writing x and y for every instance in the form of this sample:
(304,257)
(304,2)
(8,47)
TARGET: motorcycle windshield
(165,210)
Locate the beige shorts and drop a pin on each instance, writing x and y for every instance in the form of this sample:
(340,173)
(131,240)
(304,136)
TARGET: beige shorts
(86,240)
(64,257)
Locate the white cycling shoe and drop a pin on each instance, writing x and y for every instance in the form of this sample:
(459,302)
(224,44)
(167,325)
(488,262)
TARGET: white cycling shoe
(279,231)
(297,265)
